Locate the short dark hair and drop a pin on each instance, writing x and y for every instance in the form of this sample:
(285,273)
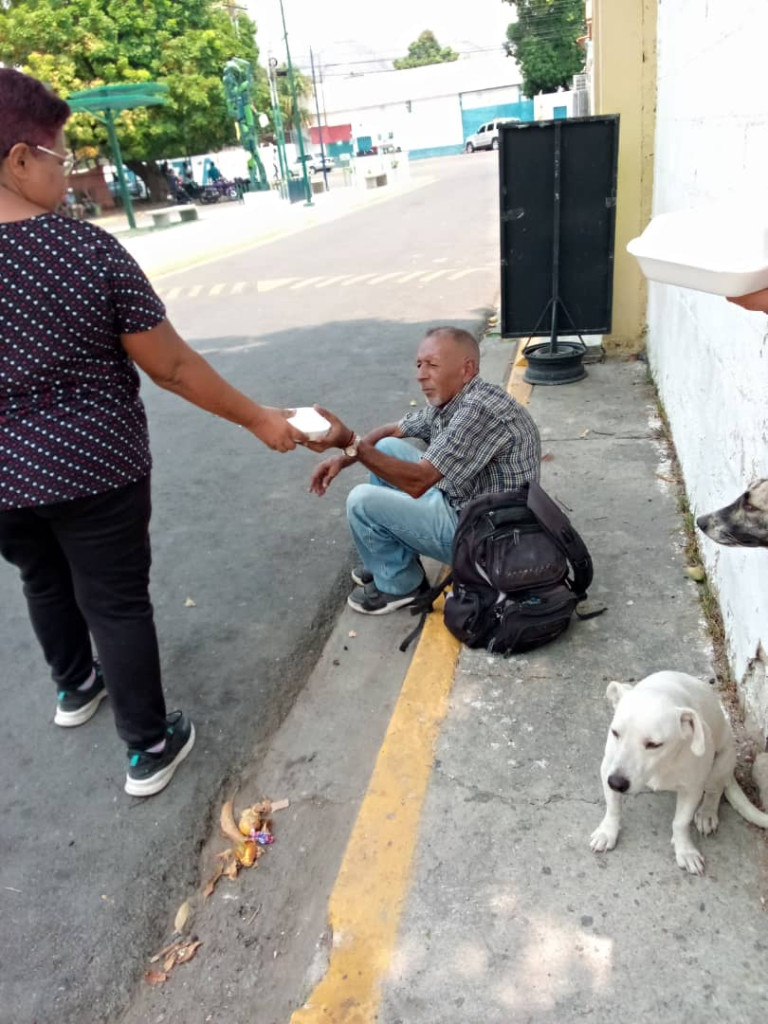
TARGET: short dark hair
(461,337)
(30,112)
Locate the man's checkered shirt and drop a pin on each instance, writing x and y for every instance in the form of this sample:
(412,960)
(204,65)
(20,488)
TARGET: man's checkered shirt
(482,441)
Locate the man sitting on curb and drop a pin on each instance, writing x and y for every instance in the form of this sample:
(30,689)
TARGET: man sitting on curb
(479,440)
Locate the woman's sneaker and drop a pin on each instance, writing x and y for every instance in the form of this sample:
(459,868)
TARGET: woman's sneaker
(74,707)
(150,773)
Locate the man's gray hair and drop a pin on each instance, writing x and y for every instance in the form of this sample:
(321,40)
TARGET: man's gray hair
(460,337)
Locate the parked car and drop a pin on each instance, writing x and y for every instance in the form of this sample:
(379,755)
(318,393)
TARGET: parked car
(487,135)
(136,187)
(314,162)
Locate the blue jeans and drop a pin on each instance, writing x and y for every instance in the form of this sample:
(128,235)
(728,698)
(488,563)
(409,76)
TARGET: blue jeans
(391,529)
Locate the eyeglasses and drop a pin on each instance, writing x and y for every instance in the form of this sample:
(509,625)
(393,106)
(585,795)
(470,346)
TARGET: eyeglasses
(67,162)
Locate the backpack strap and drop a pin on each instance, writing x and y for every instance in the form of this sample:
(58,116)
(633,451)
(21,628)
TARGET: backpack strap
(559,528)
(422,606)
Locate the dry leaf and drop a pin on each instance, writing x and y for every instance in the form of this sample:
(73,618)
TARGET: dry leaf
(170,948)
(182,916)
(210,885)
(189,603)
(230,871)
(169,962)
(187,952)
(548,457)
(352,633)
(155,977)
(413,402)
(227,821)
(280,805)
(696,573)
(584,433)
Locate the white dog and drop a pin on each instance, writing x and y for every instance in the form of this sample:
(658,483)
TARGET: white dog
(669,732)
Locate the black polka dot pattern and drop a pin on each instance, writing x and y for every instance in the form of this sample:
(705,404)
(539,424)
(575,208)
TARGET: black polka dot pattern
(71,420)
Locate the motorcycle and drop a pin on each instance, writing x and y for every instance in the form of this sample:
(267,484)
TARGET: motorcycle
(221,189)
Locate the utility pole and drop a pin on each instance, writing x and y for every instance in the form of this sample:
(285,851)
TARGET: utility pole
(296,111)
(319,124)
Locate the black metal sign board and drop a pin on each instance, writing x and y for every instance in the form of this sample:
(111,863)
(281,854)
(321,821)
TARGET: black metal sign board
(558,211)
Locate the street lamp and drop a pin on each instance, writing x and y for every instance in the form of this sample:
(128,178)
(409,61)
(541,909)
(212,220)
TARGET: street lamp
(296,112)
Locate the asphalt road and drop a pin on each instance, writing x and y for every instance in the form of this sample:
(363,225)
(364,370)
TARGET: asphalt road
(87,875)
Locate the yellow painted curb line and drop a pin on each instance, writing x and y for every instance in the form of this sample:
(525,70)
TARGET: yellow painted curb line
(374,879)
(516,386)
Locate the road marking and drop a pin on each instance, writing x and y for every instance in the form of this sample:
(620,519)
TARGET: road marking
(433,276)
(333,280)
(410,277)
(194,291)
(239,287)
(358,277)
(306,282)
(217,289)
(462,273)
(384,277)
(173,293)
(246,347)
(276,282)
(374,880)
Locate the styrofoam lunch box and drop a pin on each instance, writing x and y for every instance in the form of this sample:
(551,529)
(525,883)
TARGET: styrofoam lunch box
(310,422)
(721,249)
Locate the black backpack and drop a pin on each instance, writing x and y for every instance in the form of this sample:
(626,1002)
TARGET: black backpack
(518,570)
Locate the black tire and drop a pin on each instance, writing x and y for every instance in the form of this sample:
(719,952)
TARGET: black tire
(469,148)
(495,144)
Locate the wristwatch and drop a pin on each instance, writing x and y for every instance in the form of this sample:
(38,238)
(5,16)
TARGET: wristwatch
(351,449)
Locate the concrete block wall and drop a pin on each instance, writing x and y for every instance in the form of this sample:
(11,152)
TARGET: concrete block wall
(710,358)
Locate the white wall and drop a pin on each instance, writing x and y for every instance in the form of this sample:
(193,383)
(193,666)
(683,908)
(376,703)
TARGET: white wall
(544,104)
(710,358)
(429,122)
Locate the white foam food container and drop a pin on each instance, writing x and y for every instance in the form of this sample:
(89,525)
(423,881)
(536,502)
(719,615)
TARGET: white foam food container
(310,422)
(720,249)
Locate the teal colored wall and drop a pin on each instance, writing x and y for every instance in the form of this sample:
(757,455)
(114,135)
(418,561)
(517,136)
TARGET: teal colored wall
(472,119)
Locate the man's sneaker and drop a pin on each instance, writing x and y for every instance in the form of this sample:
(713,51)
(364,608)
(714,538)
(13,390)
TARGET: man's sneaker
(361,576)
(74,707)
(149,773)
(369,600)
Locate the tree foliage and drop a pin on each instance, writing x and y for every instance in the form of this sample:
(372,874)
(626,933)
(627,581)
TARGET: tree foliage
(426,50)
(80,44)
(544,43)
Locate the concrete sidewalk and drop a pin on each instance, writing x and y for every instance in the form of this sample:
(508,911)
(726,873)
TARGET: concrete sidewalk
(503,914)
(223,229)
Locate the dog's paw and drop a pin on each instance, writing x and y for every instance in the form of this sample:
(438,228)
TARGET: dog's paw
(603,838)
(706,820)
(689,858)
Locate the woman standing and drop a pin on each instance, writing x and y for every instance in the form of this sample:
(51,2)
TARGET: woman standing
(76,313)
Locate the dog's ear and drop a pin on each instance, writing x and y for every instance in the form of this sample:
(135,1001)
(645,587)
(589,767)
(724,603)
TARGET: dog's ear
(690,725)
(615,691)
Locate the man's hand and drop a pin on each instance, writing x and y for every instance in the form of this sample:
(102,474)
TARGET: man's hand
(338,435)
(327,471)
(756,302)
(272,427)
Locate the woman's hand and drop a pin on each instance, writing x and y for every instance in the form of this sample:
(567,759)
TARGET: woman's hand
(272,427)
(325,473)
(338,435)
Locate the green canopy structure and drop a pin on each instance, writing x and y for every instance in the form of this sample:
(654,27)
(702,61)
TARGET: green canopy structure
(106,102)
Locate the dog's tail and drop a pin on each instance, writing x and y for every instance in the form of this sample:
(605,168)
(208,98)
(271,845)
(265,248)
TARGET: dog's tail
(739,801)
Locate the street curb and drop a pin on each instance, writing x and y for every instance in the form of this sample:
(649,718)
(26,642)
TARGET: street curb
(372,886)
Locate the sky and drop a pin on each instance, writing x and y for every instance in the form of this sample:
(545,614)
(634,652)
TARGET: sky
(341,30)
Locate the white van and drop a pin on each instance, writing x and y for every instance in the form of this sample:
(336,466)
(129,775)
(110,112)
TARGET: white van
(487,135)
